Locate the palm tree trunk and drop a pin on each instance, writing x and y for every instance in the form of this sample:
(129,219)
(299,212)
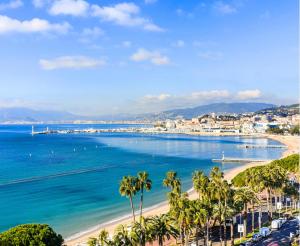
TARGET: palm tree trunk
(207,233)
(160,241)
(232,234)
(132,208)
(220,232)
(186,238)
(141,203)
(268,205)
(253,217)
(225,233)
(197,235)
(271,207)
(245,216)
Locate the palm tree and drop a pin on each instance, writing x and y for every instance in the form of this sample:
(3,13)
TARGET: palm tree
(217,185)
(173,182)
(122,236)
(161,228)
(199,213)
(103,238)
(244,195)
(143,183)
(200,182)
(182,213)
(128,189)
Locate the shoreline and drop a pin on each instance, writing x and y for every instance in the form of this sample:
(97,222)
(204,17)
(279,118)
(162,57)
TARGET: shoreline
(292,143)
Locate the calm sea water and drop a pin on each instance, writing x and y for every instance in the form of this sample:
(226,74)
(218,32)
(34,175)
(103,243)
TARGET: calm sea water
(71,181)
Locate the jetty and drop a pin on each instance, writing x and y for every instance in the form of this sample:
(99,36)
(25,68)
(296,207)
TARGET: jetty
(254,146)
(238,160)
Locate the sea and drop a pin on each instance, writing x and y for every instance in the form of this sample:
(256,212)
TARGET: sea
(71,181)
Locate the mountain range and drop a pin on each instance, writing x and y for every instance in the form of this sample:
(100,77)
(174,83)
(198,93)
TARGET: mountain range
(31,115)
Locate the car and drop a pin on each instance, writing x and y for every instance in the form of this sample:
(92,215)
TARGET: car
(247,243)
(283,220)
(276,224)
(256,237)
(265,231)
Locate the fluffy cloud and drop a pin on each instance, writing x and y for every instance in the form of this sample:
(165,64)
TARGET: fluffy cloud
(71,62)
(152,56)
(124,14)
(69,7)
(224,8)
(249,94)
(39,3)
(36,25)
(13,4)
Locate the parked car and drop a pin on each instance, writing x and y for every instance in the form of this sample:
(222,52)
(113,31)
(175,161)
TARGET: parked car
(256,237)
(283,220)
(265,231)
(276,224)
(247,243)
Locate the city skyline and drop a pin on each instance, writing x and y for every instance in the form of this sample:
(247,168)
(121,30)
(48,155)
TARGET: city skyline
(98,57)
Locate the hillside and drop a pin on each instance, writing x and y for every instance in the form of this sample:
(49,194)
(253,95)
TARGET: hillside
(31,115)
(218,108)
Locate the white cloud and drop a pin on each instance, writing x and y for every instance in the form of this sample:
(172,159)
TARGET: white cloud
(178,44)
(152,56)
(224,8)
(36,25)
(13,4)
(124,14)
(161,97)
(71,62)
(40,3)
(209,55)
(69,7)
(249,94)
(150,1)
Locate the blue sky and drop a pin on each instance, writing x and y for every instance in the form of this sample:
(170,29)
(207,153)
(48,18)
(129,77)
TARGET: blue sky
(100,57)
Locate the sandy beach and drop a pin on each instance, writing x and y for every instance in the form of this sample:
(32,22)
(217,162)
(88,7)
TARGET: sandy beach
(292,143)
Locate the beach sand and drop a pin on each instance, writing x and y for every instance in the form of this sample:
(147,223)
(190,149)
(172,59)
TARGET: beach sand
(292,143)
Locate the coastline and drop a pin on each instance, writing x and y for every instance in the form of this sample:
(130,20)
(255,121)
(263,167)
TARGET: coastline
(292,143)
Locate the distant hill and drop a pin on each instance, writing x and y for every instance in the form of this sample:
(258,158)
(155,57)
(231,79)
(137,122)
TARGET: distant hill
(218,108)
(283,110)
(31,115)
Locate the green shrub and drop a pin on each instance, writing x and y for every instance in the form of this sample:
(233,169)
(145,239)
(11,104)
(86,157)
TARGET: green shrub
(30,235)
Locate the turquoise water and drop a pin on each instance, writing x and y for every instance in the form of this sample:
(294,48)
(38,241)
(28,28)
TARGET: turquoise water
(71,181)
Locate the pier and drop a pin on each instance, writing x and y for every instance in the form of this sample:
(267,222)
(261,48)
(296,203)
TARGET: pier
(239,160)
(253,146)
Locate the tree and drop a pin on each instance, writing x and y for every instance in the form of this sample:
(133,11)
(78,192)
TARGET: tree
(174,183)
(128,189)
(31,234)
(122,236)
(200,183)
(161,228)
(143,183)
(199,213)
(295,130)
(245,196)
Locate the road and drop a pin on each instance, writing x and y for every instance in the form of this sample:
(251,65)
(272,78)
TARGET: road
(282,236)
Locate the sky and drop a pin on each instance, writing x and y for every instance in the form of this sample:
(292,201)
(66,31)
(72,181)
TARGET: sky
(94,57)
